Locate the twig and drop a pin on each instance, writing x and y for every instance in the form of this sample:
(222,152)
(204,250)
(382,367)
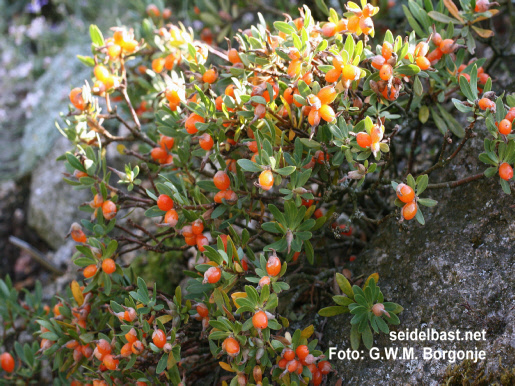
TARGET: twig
(37,255)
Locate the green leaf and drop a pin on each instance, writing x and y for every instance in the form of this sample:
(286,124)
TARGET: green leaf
(505,186)
(440,17)
(286,171)
(367,337)
(355,337)
(284,27)
(323,7)
(452,123)
(421,183)
(427,202)
(439,122)
(465,89)
(161,366)
(96,35)
(409,69)
(344,285)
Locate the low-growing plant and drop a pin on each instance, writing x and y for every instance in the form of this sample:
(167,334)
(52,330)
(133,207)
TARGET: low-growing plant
(249,161)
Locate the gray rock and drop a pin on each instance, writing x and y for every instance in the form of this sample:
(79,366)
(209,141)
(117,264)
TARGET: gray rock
(53,204)
(456,272)
(50,98)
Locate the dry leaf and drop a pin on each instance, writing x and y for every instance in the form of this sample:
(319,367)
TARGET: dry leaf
(453,10)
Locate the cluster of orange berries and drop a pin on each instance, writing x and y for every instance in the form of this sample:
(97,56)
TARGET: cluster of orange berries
(153,11)
(320,105)
(482,76)
(162,154)
(165,203)
(292,361)
(371,141)
(223,182)
(193,235)
(407,195)
(443,46)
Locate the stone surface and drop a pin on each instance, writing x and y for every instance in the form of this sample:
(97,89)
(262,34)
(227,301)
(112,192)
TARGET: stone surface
(48,99)
(53,204)
(456,272)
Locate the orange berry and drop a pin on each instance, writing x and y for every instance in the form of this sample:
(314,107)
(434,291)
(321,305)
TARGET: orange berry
(79,236)
(167,13)
(317,378)
(483,78)
(505,127)
(101,73)
(131,336)
(409,210)
(153,11)
(206,141)
(421,49)
(109,209)
(405,193)
(114,51)
(437,39)
(447,46)
(327,113)
(212,275)
(288,354)
(485,103)
(294,68)
(273,266)
(90,271)
(202,241)
(266,180)
(126,350)
(191,240)
(288,95)
(172,96)
(353,24)
(350,72)
(76,98)
(229,90)
(219,196)
(434,56)
(327,95)
(386,72)
(202,310)
(328,29)
(366,24)
(314,117)
(332,75)
(171,217)
(264,281)
(108,266)
(233,56)
(505,171)
(378,61)
(221,180)
(137,347)
(164,202)
(166,142)
(231,346)
(302,351)
(103,347)
(364,140)
(387,50)
(110,362)
(159,338)
(292,366)
(98,200)
(197,227)
(7,362)
(308,78)
(338,63)
(296,92)
(260,320)
(158,154)
(282,363)
(158,65)
(210,76)
(191,121)
(423,63)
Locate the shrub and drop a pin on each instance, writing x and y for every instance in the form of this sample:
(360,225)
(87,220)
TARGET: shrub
(253,157)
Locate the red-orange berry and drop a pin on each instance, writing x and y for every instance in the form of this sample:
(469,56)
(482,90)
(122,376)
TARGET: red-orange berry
(288,354)
(191,121)
(409,210)
(405,193)
(171,217)
(110,362)
(206,141)
(76,98)
(131,336)
(137,347)
(126,350)
(266,180)
(505,127)
(324,367)
(332,75)
(292,366)
(302,351)
(264,281)
(505,171)
(447,46)
(231,346)
(327,113)
(378,61)
(260,320)
(273,266)
(7,362)
(158,64)
(423,63)
(78,235)
(202,241)
(364,140)
(164,202)
(328,29)
(108,266)
(159,338)
(90,271)
(158,154)
(166,142)
(386,72)
(202,310)
(212,275)
(103,347)
(210,76)
(233,56)
(197,227)
(282,363)
(387,50)
(109,210)
(221,180)
(485,103)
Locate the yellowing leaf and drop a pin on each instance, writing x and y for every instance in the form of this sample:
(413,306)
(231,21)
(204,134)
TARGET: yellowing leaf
(171,362)
(120,148)
(453,10)
(484,33)
(165,318)
(238,295)
(226,367)
(307,332)
(352,5)
(375,276)
(291,135)
(492,12)
(77,293)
